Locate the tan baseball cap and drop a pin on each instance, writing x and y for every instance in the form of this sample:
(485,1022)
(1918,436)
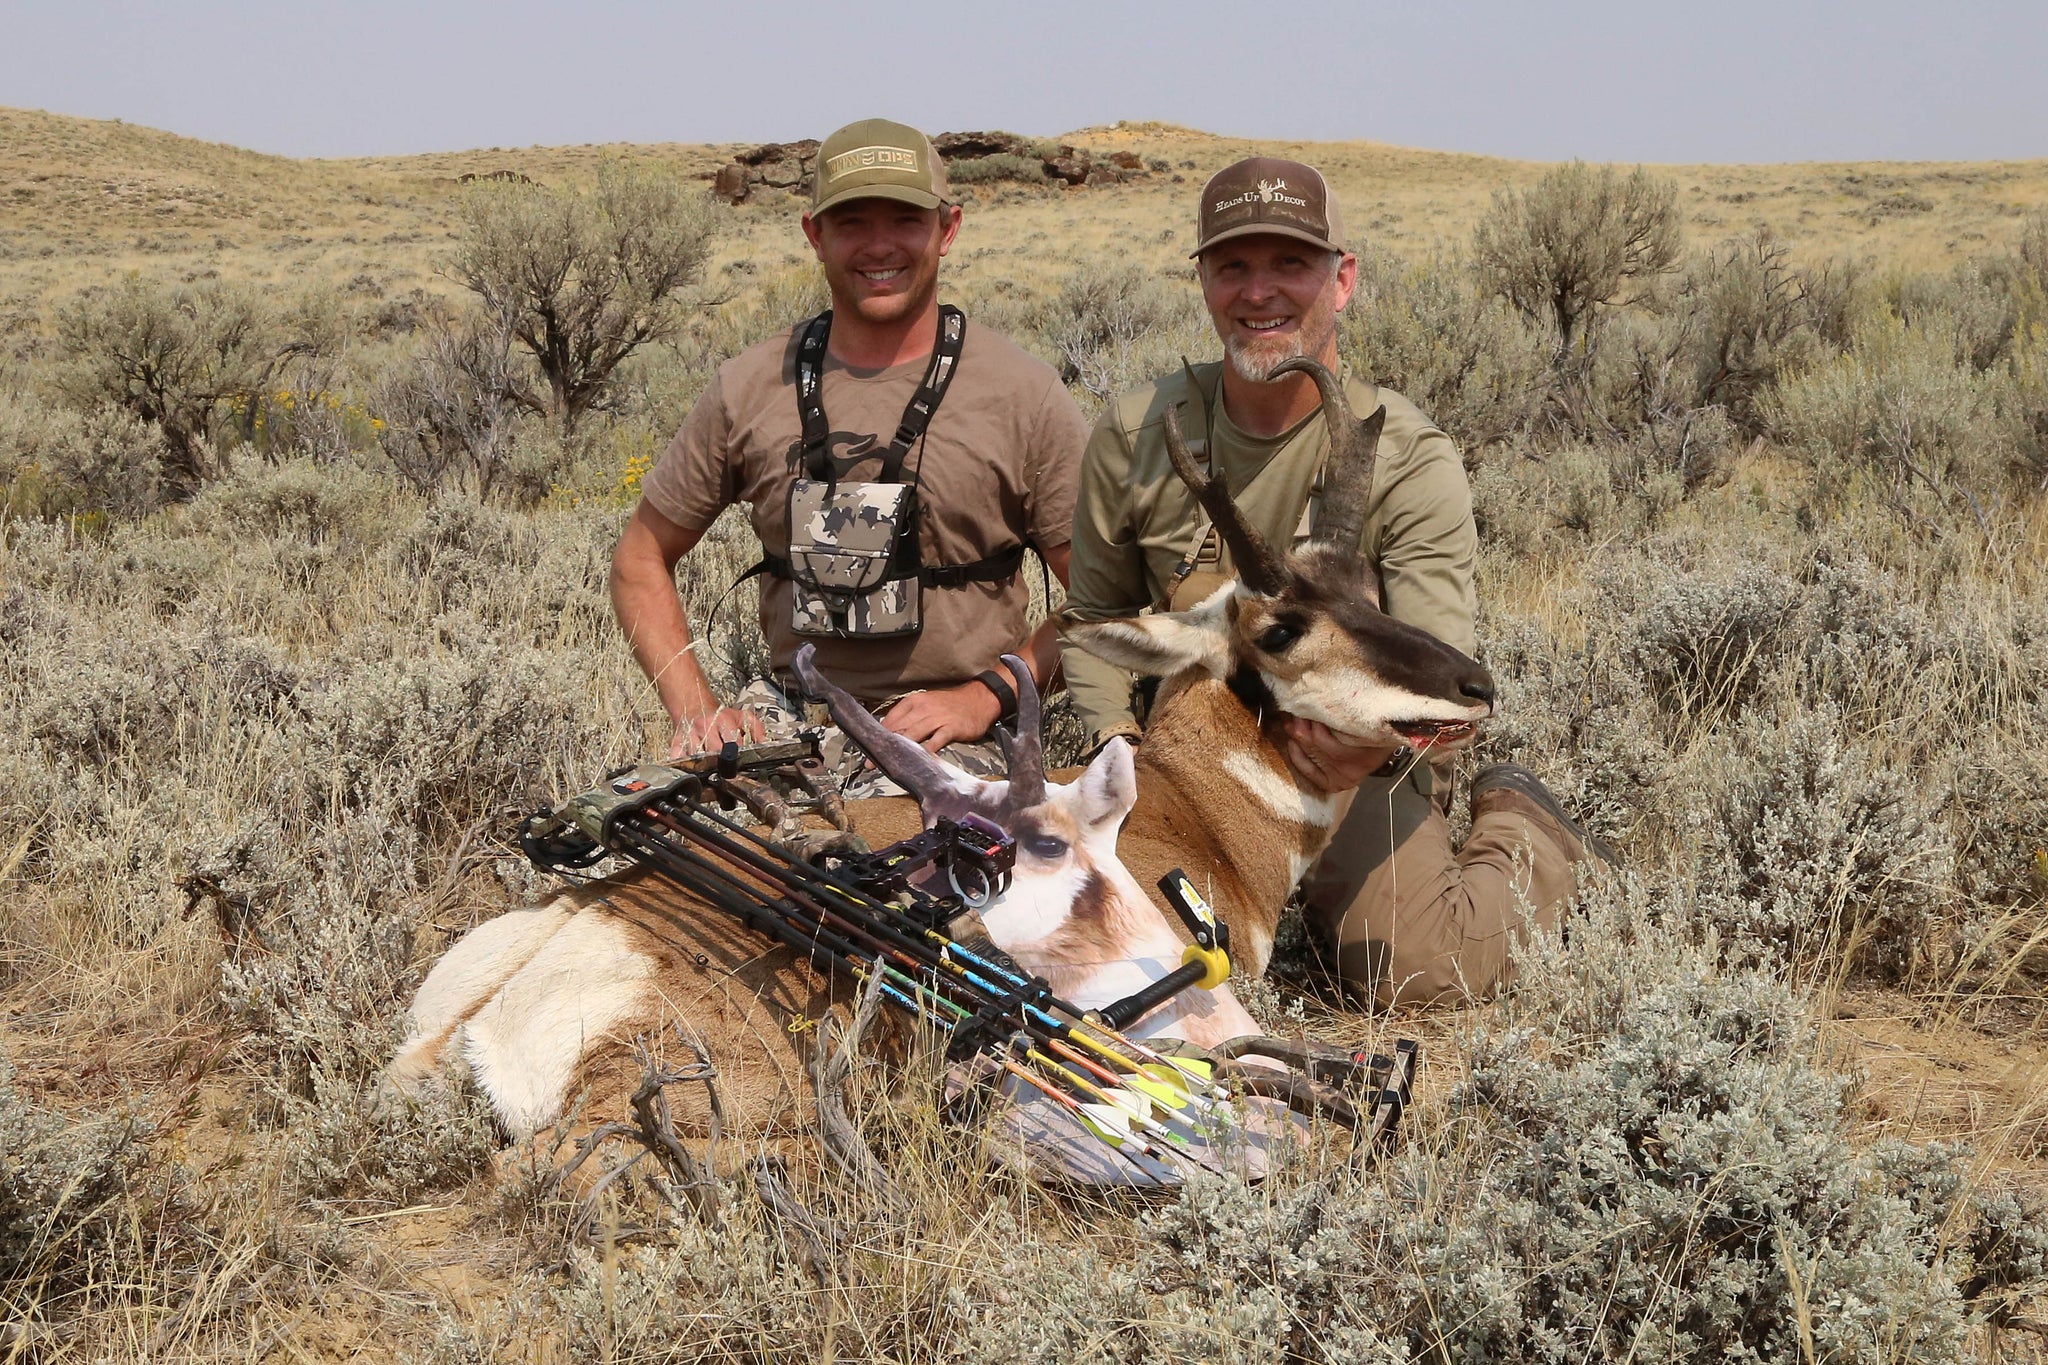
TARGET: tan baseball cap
(878,159)
(1267,194)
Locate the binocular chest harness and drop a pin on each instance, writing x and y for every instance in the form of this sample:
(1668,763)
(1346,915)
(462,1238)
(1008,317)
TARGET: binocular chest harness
(854,560)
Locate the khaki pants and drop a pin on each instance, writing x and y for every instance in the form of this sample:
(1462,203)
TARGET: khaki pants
(1401,916)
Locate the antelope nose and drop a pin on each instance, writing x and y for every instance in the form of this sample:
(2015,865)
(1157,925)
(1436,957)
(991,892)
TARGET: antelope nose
(1479,687)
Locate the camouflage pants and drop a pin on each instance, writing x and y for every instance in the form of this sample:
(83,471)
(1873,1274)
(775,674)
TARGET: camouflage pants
(781,716)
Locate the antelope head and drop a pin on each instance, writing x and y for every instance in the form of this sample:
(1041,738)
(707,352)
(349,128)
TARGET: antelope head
(1301,632)
(1072,913)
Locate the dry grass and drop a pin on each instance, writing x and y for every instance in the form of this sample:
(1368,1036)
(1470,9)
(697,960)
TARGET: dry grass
(265,750)
(82,201)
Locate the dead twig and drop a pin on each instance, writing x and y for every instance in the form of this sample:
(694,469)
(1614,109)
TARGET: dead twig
(712,1102)
(657,1131)
(829,1068)
(590,1143)
(654,1129)
(815,1235)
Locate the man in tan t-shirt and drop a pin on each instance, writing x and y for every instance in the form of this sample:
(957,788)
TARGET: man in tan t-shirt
(994,470)
(1397,912)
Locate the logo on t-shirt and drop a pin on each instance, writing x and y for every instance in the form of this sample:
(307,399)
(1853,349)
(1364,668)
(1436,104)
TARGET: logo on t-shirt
(859,447)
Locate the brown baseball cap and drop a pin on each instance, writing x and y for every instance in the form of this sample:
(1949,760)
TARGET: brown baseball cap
(878,159)
(1267,194)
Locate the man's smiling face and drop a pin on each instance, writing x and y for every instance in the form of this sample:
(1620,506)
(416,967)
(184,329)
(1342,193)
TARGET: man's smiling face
(881,256)
(1274,297)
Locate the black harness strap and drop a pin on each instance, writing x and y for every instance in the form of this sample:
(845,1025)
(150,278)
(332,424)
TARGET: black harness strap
(917,414)
(917,417)
(994,569)
(810,406)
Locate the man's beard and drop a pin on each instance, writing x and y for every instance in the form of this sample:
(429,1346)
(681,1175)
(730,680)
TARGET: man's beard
(1256,357)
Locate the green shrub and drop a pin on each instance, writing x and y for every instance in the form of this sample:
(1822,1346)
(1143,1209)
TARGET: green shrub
(1580,719)
(62,1185)
(715,1294)
(1901,412)
(1705,642)
(1749,315)
(2005,1251)
(298,501)
(2026,403)
(1674,1180)
(584,280)
(1584,497)
(1831,857)
(179,357)
(1113,327)
(984,170)
(780,300)
(2002,827)
(55,462)
(449,739)
(1975,308)
(453,409)
(1643,1162)
(1581,239)
(327,939)
(1464,358)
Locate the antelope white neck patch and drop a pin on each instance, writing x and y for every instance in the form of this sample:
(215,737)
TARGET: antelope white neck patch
(1279,793)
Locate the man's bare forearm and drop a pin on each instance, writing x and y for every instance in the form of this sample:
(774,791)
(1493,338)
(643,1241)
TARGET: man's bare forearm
(1042,650)
(651,615)
(1042,653)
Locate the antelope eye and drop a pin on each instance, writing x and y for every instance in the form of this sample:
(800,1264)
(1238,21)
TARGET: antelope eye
(1278,636)
(1049,847)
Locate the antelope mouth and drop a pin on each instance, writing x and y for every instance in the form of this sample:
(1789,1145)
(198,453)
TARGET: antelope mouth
(1429,734)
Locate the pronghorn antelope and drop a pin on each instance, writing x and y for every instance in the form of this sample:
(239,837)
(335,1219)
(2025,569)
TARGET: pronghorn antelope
(1295,634)
(543,1004)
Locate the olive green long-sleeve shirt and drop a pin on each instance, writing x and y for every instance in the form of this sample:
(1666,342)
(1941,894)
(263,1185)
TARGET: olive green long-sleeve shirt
(1135,520)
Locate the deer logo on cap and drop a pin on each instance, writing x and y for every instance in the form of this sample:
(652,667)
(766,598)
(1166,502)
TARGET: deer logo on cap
(1268,192)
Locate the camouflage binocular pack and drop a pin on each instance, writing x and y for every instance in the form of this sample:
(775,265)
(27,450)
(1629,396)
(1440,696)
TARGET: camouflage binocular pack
(853,559)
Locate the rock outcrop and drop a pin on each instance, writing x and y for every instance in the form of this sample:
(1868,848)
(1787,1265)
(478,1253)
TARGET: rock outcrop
(793,166)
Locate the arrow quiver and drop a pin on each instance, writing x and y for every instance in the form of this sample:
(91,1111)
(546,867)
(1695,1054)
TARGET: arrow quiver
(1100,1107)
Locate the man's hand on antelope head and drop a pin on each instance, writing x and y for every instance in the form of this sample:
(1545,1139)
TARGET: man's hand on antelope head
(1330,761)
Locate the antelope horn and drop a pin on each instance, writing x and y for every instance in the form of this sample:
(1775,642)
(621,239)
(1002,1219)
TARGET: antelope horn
(1257,566)
(1024,750)
(936,786)
(1354,445)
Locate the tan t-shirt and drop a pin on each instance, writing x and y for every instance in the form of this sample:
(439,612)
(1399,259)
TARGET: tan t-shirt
(999,465)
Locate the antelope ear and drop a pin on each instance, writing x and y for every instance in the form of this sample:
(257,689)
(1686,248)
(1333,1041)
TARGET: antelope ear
(1163,643)
(1105,793)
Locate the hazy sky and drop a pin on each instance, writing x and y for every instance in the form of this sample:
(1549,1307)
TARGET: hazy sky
(1730,81)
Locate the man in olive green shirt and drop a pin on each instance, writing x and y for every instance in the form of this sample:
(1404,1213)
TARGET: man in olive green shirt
(1397,912)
